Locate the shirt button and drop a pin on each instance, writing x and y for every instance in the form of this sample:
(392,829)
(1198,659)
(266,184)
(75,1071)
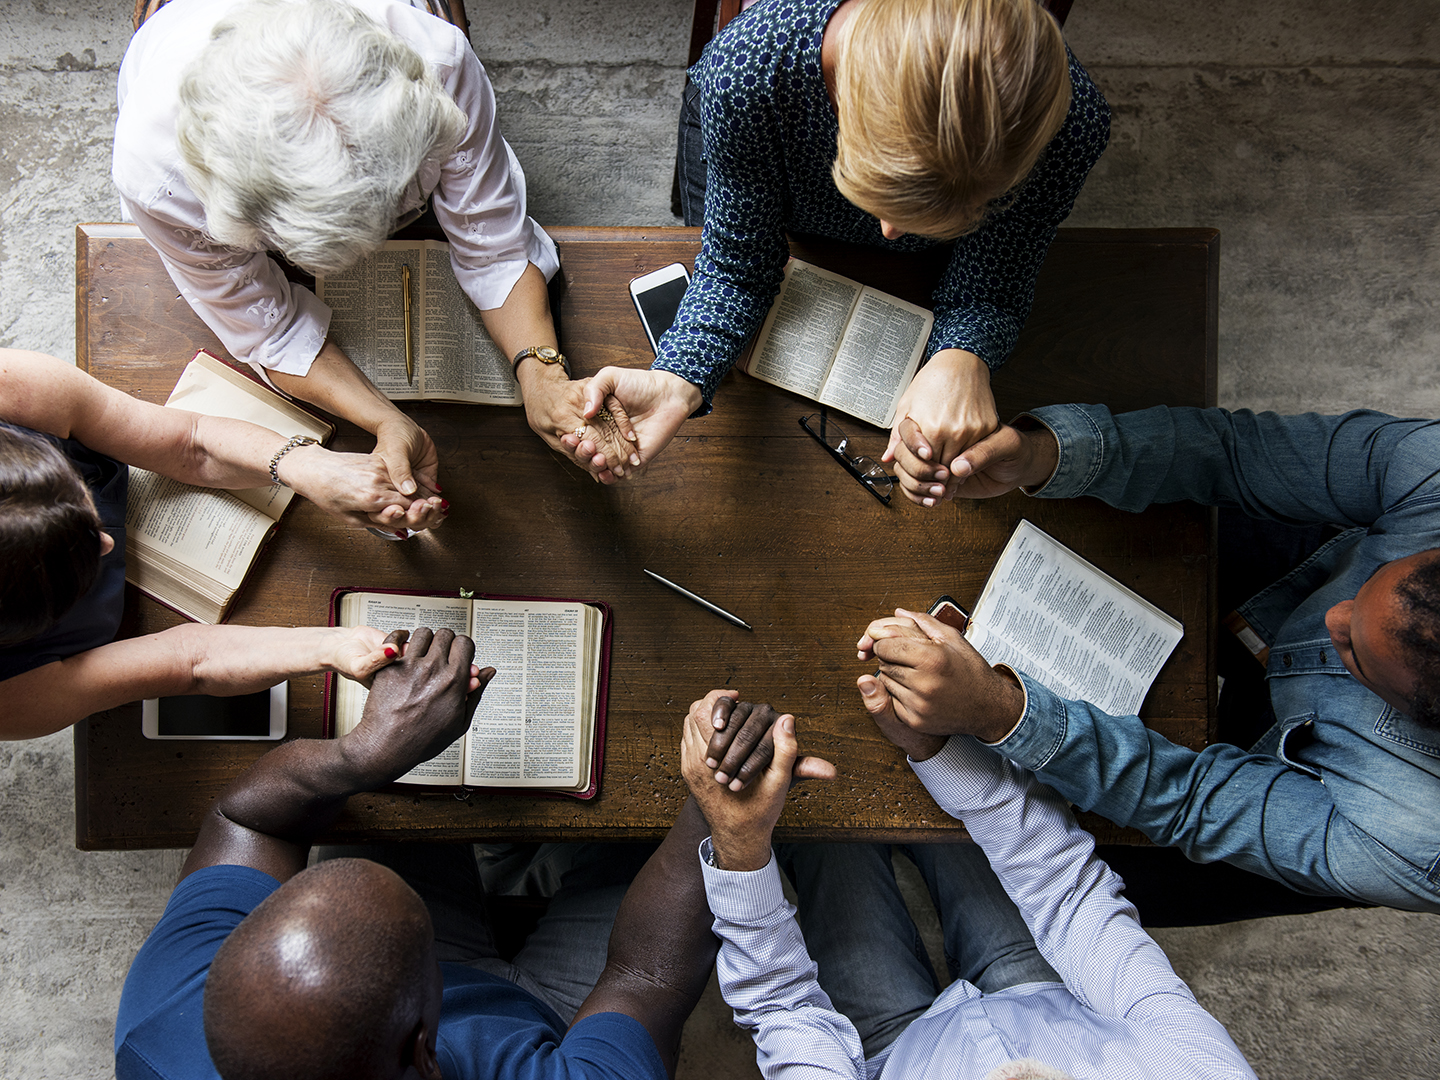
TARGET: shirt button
(1286,660)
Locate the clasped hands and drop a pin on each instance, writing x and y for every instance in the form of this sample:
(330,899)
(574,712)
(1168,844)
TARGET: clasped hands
(424,688)
(611,425)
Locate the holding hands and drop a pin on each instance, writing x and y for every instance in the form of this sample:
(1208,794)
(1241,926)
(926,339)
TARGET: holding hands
(418,705)
(647,407)
(934,683)
(361,490)
(947,407)
(739,760)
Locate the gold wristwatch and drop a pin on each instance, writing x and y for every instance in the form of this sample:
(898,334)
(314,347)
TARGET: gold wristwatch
(545,355)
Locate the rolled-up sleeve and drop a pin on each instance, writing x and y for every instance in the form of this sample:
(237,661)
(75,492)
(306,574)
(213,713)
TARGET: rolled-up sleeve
(244,297)
(480,197)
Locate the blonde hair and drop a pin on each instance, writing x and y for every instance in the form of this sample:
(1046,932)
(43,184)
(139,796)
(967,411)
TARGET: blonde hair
(944,106)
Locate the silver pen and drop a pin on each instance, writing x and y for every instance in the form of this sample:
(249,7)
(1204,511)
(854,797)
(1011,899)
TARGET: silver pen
(706,604)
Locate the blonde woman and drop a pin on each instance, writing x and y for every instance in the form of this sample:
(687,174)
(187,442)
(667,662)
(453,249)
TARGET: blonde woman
(901,124)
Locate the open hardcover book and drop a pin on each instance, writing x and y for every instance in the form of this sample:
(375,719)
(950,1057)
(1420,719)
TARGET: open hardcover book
(455,360)
(1069,626)
(188,547)
(840,343)
(540,724)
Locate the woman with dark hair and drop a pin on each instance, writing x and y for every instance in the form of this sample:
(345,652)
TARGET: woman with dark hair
(64,442)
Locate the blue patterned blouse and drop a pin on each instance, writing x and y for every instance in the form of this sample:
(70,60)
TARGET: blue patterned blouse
(769,137)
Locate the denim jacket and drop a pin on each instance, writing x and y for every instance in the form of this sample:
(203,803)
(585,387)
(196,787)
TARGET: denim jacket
(1342,795)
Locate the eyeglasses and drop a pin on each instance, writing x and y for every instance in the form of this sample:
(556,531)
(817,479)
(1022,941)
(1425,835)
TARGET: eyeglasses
(866,470)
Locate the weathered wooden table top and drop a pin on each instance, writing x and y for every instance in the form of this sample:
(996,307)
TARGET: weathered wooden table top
(743,508)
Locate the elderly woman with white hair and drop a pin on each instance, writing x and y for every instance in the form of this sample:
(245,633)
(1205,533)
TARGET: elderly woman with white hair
(314,128)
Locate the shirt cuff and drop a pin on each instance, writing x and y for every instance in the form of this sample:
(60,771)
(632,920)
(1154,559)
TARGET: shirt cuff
(1082,450)
(741,896)
(489,285)
(1037,738)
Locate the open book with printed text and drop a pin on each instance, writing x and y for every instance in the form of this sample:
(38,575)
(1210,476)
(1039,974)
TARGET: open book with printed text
(454,358)
(1071,627)
(840,343)
(540,724)
(189,547)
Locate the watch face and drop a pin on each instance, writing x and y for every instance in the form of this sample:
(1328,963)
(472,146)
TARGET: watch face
(547,354)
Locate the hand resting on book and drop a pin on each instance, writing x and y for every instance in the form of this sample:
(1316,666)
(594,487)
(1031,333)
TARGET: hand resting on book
(947,408)
(417,706)
(937,682)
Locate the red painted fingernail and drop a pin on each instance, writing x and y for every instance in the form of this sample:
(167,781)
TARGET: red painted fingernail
(445,505)
(390,653)
(439,488)
(402,534)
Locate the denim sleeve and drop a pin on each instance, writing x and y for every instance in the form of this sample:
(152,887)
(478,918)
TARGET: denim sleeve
(984,296)
(1343,470)
(743,249)
(1217,804)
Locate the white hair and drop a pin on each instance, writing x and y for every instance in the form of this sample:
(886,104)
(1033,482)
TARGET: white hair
(302,124)
(1027,1069)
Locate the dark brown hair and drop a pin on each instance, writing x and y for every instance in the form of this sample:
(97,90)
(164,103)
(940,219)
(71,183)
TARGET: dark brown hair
(49,536)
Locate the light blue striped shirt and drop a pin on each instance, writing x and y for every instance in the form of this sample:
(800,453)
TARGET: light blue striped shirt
(1122,1011)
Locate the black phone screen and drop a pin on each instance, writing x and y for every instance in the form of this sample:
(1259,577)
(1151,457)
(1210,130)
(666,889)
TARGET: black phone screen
(197,714)
(659,305)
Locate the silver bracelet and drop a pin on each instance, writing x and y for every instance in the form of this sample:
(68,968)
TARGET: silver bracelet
(295,440)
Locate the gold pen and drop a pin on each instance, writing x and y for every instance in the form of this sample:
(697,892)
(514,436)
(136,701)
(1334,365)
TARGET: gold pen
(409,346)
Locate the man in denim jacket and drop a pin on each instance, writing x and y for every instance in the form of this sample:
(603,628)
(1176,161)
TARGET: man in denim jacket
(1342,795)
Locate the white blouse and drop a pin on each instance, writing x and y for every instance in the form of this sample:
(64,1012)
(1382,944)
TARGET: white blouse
(243,296)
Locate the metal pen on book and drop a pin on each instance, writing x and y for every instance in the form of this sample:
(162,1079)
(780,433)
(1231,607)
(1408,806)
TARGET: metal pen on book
(409,344)
(706,604)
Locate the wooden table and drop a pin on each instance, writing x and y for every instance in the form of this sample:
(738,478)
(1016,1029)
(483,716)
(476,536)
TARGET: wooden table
(743,508)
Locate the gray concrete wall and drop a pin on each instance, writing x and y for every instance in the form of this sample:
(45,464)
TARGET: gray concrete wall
(1305,132)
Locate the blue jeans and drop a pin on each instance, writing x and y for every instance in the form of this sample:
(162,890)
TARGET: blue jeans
(871,958)
(561,961)
(690,157)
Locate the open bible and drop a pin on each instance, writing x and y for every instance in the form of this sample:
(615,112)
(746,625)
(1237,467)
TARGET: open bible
(455,360)
(840,343)
(1068,625)
(540,724)
(189,547)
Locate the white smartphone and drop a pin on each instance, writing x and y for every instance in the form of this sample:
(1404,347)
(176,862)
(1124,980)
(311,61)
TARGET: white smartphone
(260,715)
(657,298)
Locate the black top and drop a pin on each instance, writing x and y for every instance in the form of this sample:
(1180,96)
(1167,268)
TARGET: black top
(95,618)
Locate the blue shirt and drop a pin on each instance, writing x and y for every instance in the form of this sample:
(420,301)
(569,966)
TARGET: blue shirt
(769,136)
(489,1027)
(1342,795)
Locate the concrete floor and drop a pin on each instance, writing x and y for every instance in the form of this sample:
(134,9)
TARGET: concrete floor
(1306,132)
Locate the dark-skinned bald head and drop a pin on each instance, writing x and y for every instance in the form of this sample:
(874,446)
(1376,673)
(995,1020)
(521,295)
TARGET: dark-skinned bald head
(329,977)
